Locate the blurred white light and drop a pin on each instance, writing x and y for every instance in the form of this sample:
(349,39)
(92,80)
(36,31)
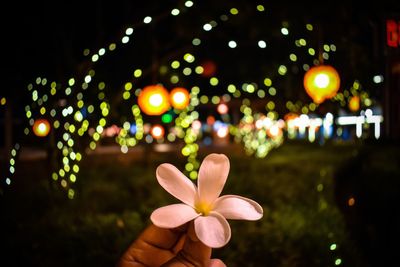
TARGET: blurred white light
(232,44)
(378,79)
(262,44)
(155,100)
(188,3)
(322,80)
(147,19)
(284,31)
(175,12)
(207,27)
(222,132)
(129,31)
(125,39)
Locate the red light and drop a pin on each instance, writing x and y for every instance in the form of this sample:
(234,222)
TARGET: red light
(392,33)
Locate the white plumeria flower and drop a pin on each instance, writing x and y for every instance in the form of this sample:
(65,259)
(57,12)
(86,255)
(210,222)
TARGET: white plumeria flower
(202,203)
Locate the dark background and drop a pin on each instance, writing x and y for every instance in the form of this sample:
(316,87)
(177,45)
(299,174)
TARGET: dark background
(47,39)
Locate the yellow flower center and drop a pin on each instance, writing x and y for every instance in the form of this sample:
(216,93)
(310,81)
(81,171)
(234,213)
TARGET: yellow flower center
(203,208)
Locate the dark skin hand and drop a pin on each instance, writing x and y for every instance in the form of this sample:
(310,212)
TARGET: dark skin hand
(177,247)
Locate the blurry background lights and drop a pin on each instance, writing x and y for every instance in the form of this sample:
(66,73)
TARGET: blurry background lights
(209,68)
(378,79)
(222,108)
(179,98)
(157,131)
(232,44)
(274,131)
(262,44)
(354,103)
(153,100)
(41,127)
(321,82)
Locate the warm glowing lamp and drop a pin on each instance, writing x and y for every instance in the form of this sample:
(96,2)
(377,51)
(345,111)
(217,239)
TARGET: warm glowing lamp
(321,82)
(354,103)
(153,100)
(179,98)
(157,131)
(41,127)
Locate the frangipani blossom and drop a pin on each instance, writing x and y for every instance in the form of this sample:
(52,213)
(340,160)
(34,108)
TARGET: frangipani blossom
(203,203)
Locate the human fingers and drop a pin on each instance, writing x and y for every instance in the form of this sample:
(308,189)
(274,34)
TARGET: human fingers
(153,247)
(216,263)
(193,253)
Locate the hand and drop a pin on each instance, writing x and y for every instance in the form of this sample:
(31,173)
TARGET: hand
(177,247)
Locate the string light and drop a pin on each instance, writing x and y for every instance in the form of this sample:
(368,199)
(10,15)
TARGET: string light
(75,124)
(258,132)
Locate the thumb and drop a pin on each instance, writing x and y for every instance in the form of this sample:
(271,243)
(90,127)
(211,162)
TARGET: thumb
(216,263)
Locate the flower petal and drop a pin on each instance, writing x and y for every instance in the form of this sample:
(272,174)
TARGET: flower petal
(213,173)
(213,230)
(237,207)
(172,216)
(176,183)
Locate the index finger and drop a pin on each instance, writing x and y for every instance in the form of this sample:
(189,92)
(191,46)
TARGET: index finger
(153,247)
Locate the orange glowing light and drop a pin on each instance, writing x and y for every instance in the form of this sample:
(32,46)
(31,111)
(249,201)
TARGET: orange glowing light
(354,103)
(157,131)
(179,98)
(41,127)
(153,100)
(291,116)
(210,120)
(351,201)
(321,83)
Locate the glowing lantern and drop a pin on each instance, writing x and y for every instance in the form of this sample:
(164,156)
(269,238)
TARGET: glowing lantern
(41,127)
(157,131)
(153,100)
(354,103)
(179,98)
(321,82)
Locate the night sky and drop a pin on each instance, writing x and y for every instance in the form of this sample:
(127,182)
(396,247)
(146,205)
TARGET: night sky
(47,39)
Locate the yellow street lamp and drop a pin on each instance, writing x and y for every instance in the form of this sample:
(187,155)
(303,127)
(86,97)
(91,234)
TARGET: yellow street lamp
(153,100)
(179,98)
(321,83)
